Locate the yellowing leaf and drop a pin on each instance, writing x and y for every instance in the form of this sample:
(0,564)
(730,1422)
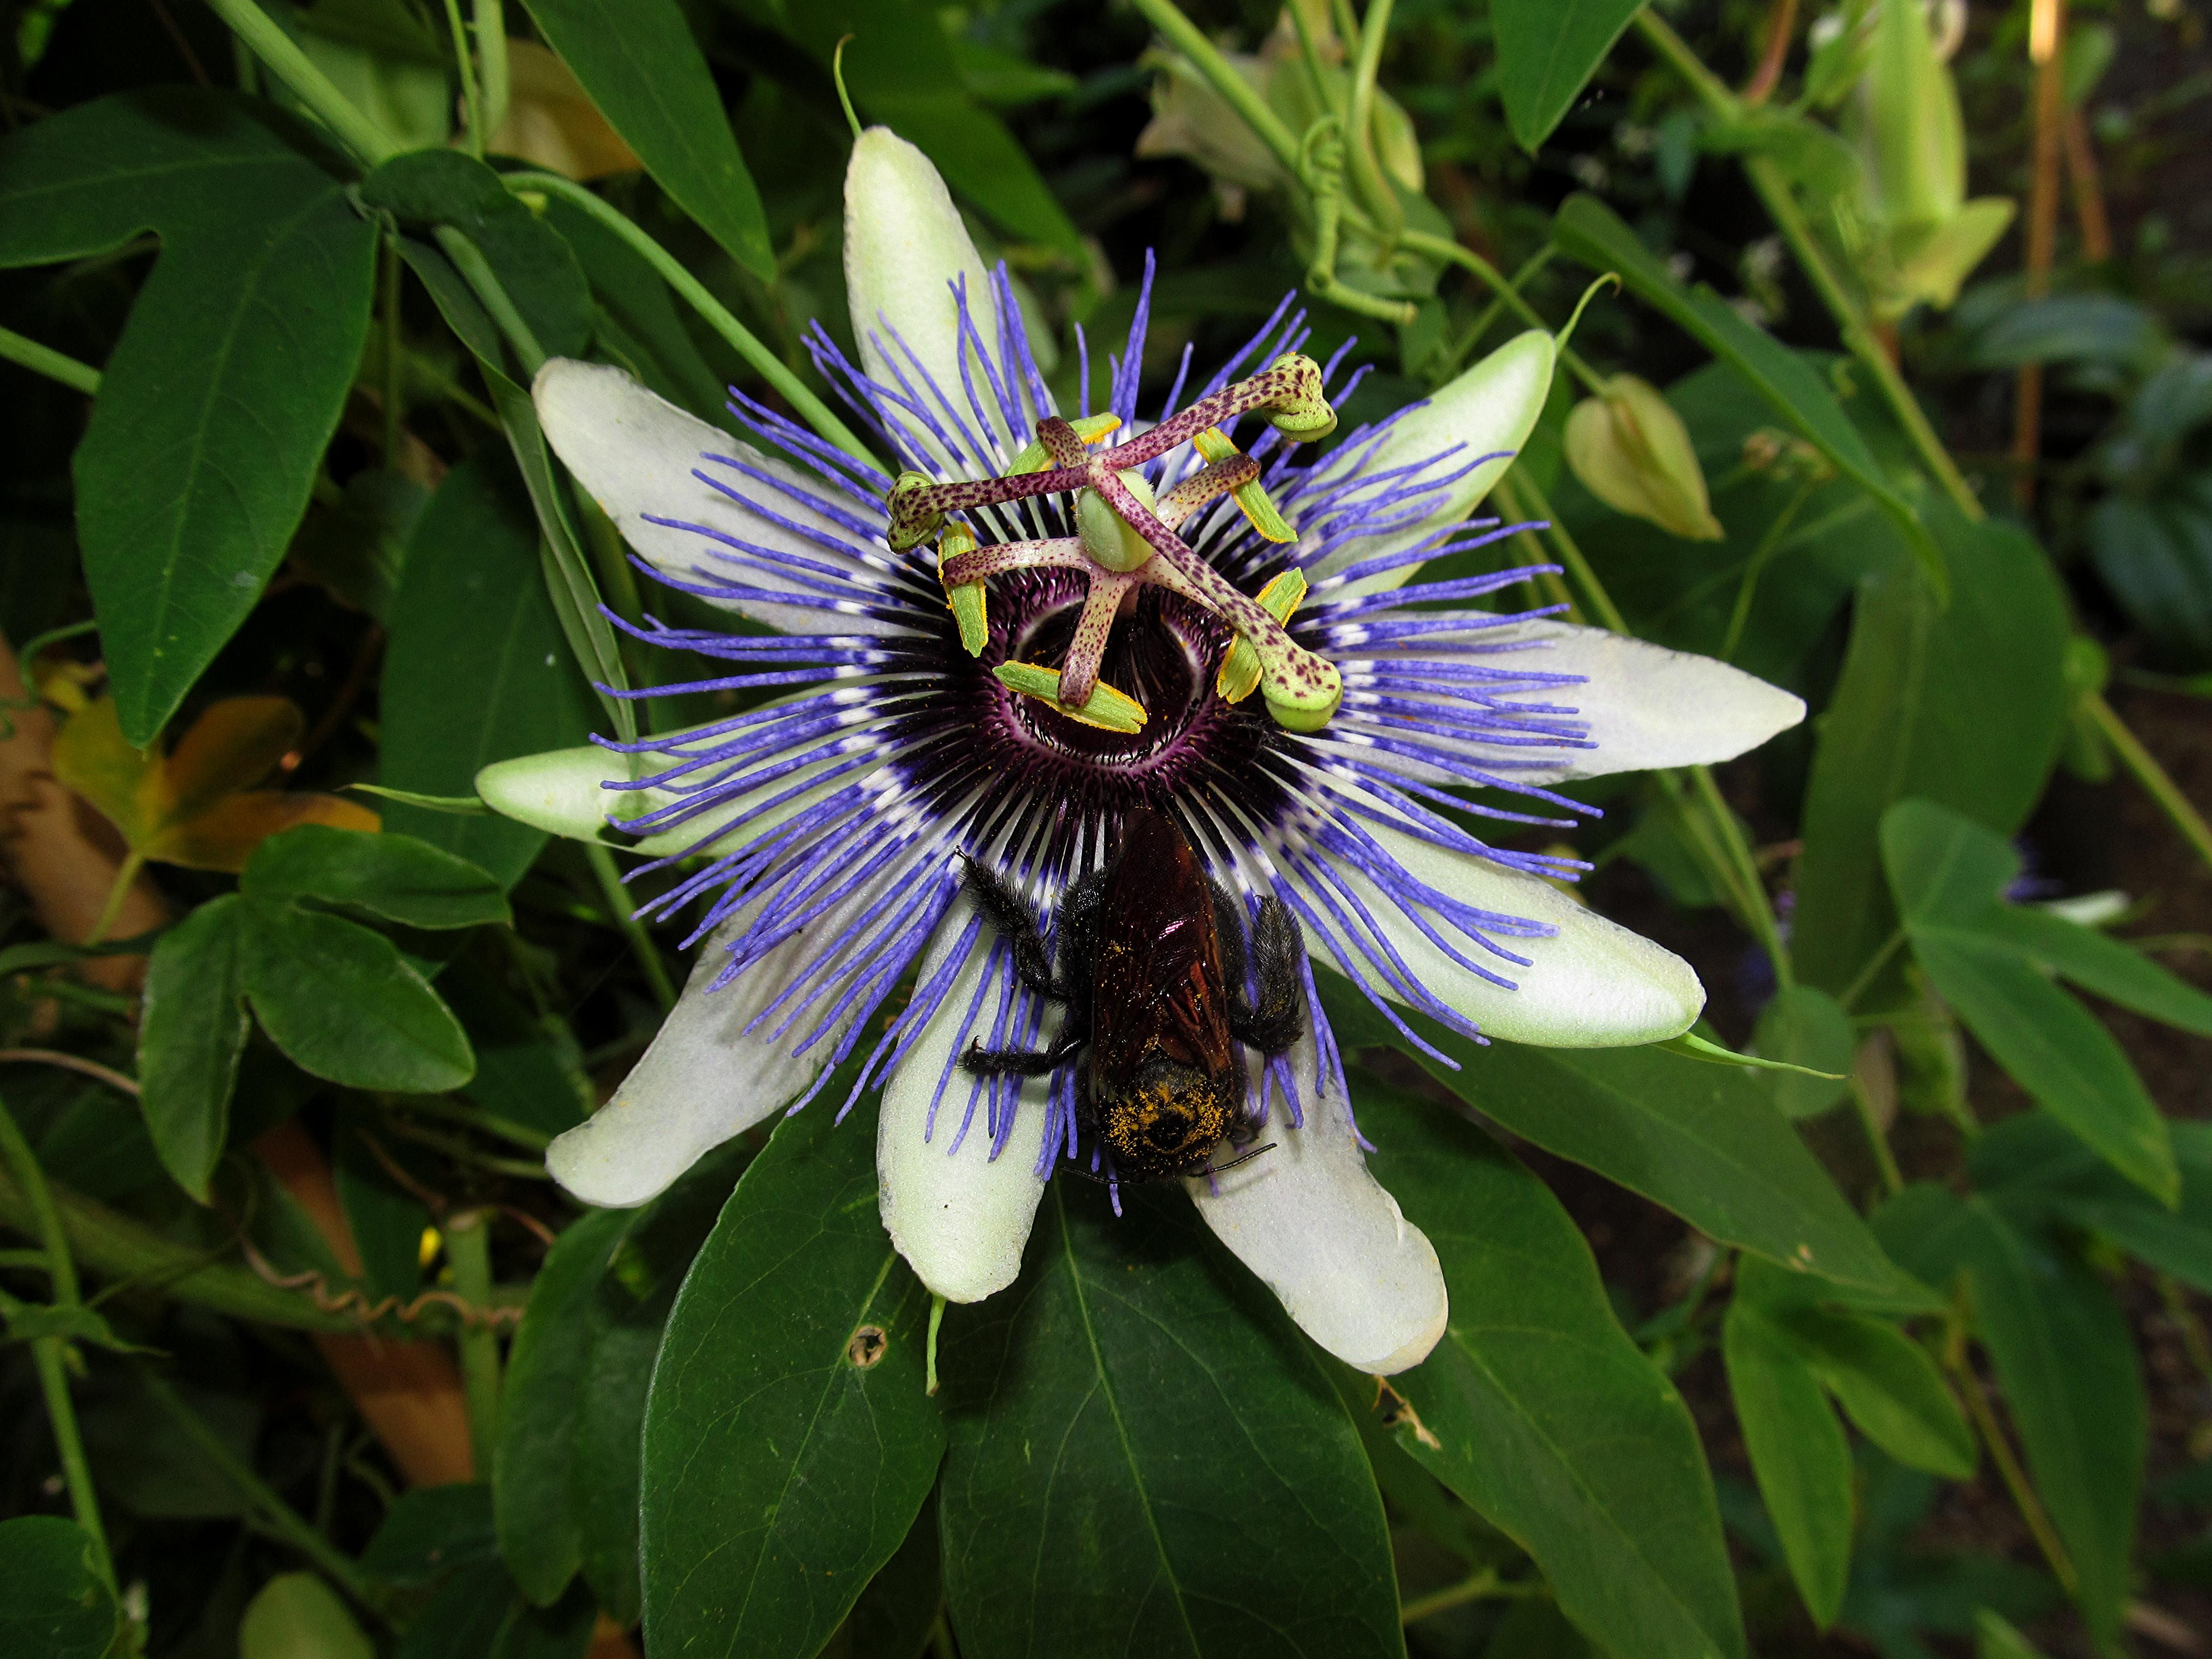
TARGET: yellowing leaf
(552,121)
(197,806)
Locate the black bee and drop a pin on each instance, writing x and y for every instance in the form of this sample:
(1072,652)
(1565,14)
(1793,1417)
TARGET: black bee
(1152,970)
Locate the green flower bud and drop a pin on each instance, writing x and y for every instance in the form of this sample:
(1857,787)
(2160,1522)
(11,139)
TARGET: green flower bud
(1631,450)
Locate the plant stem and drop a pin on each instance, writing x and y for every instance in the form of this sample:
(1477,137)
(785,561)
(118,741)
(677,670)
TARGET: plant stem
(1481,1585)
(748,345)
(44,359)
(2144,767)
(394,353)
(280,1518)
(471,1117)
(468,1246)
(1749,588)
(476,271)
(1759,910)
(50,1354)
(2009,1468)
(1482,324)
(1360,120)
(1858,337)
(1885,1160)
(125,874)
(315,88)
(1442,247)
(1866,975)
(2047,23)
(471,94)
(1221,75)
(641,941)
(1518,494)
(491,64)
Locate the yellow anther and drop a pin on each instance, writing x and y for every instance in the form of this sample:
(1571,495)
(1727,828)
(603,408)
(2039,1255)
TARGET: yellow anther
(1106,708)
(967,601)
(1252,500)
(1239,674)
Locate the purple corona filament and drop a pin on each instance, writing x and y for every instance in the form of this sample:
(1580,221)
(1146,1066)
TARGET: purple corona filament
(831,820)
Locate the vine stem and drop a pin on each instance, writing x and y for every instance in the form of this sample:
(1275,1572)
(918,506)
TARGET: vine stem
(276,1516)
(44,359)
(49,1354)
(300,72)
(1360,120)
(1867,349)
(1481,1585)
(468,1246)
(748,345)
(641,941)
(1859,338)
(2144,767)
(2001,1453)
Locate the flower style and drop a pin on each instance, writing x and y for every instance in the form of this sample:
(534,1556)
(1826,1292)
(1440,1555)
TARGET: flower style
(916,719)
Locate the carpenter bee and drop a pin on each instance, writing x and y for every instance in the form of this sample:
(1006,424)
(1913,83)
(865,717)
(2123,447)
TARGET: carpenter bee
(1152,969)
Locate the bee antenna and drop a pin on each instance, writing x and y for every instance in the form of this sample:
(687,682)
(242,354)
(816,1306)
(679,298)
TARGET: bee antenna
(1223,1169)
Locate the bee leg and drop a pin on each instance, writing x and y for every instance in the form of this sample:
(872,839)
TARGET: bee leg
(1019,1062)
(1009,913)
(1278,1019)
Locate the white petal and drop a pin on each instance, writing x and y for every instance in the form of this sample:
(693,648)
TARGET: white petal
(1490,409)
(905,249)
(1644,706)
(635,453)
(562,792)
(960,1217)
(1649,707)
(1315,1227)
(703,1081)
(1592,985)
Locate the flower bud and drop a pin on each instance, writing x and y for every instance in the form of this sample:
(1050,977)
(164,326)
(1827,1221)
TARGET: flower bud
(1631,450)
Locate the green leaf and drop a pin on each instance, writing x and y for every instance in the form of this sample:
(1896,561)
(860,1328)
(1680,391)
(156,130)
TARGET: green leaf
(1948,872)
(393,876)
(1886,1385)
(216,404)
(189,1037)
(428,1533)
(477,671)
(1884,1380)
(539,1533)
(1532,1629)
(1539,1410)
(2033,1167)
(638,62)
(534,266)
(627,1318)
(2066,1361)
(1808,1028)
(343,1004)
(1964,706)
(2111,968)
(1547,53)
(1588,230)
(475,1614)
(2153,550)
(1703,1141)
(1798,1454)
(295,1615)
(52,1603)
(1147,1458)
(789,1442)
